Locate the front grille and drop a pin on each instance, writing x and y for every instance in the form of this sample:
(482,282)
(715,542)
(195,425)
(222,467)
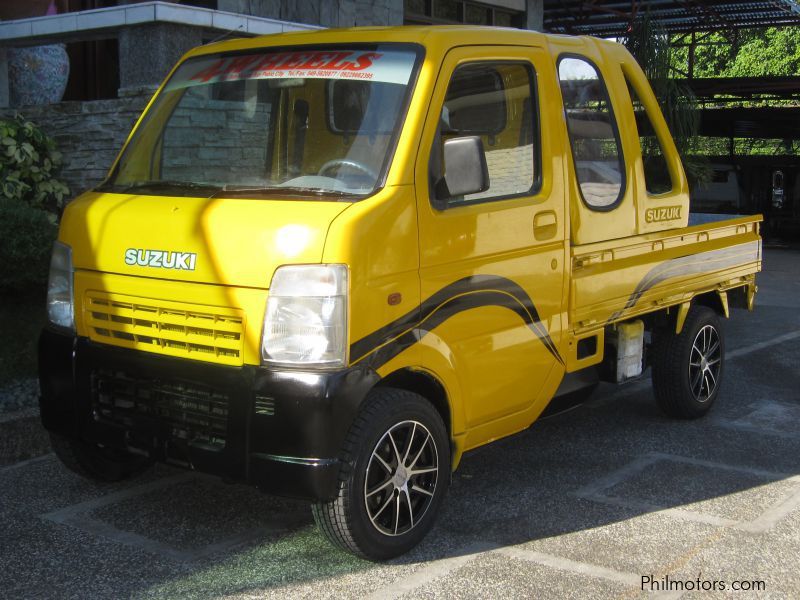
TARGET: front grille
(191,413)
(211,334)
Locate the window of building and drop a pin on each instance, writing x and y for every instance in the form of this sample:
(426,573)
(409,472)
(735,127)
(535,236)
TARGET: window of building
(427,12)
(496,102)
(654,163)
(593,133)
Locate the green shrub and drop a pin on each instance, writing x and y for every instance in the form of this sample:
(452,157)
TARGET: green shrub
(29,164)
(26,240)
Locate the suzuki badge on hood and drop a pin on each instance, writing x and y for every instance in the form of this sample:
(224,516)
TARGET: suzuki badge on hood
(161,259)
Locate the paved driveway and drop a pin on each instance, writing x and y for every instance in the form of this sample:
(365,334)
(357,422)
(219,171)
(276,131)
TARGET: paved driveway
(584,504)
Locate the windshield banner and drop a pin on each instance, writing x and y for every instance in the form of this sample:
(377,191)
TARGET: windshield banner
(386,66)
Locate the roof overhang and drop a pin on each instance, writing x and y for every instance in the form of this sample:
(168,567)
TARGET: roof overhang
(781,123)
(608,18)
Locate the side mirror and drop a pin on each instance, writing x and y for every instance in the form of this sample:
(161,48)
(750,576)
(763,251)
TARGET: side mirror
(465,170)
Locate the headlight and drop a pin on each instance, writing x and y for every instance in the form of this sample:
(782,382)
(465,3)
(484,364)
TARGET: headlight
(306,317)
(60,304)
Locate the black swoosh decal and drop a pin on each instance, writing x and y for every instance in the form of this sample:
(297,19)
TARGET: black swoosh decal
(690,265)
(470,292)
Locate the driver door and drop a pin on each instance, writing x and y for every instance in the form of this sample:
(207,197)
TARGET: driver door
(493,262)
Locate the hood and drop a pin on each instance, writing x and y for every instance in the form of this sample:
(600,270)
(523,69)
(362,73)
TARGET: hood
(237,242)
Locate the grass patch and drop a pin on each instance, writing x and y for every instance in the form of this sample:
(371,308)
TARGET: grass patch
(21,319)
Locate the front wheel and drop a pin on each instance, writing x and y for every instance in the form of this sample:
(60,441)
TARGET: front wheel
(395,473)
(688,367)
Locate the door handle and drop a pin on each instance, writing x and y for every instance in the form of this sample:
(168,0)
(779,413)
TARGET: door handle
(545,225)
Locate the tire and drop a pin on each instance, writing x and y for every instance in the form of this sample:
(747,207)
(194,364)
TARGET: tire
(95,462)
(688,368)
(381,511)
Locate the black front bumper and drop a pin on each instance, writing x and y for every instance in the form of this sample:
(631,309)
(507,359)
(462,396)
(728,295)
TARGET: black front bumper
(281,430)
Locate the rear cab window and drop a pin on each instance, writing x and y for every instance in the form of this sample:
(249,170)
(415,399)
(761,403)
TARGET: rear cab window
(593,133)
(654,163)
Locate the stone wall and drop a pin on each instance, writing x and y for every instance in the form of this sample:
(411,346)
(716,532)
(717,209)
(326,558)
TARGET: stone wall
(147,53)
(216,140)
(327,13)
(352,13)
(88,134)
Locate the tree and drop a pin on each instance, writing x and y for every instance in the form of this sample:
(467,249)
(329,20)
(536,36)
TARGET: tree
(774,51)
(758,52)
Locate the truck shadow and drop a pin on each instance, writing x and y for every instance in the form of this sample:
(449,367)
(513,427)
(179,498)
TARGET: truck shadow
(615,461)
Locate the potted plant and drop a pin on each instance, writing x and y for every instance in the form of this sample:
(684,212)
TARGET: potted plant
(37,74)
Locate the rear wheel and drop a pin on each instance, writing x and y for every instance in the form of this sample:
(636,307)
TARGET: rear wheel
(688,367)
(96,462)
(395,472)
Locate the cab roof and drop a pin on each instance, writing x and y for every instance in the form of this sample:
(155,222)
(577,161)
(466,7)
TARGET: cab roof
(440,37)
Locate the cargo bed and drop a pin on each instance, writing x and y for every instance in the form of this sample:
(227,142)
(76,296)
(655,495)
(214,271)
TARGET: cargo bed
(618,279)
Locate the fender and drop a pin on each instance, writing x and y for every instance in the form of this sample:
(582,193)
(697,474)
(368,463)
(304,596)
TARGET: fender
(438,360)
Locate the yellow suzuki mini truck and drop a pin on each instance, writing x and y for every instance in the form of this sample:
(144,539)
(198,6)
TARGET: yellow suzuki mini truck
(328,264)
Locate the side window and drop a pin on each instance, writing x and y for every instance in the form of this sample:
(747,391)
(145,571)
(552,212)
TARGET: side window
(494,101)
(656,172)
(593,133)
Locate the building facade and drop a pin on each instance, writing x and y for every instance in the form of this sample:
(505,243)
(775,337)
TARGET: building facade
(349,13)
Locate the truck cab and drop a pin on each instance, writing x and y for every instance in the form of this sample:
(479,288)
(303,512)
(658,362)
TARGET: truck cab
(330,263)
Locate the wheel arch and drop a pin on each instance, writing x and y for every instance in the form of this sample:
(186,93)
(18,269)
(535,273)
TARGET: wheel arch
(426,385)
(714,301)
(674,317)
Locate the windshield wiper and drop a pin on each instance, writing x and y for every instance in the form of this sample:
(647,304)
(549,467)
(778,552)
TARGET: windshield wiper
(217,191)
(278,190)
(160,185)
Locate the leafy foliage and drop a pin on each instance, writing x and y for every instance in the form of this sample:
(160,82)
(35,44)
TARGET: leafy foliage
(29,165)
(775,52)
(756,52)
(26,239)
(770,51)
(31,199)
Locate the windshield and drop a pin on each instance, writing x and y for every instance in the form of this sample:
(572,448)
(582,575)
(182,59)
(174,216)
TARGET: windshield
(321,121)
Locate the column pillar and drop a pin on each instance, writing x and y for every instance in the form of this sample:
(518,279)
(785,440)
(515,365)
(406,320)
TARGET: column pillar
(535,15)
(148,52)
(4,98)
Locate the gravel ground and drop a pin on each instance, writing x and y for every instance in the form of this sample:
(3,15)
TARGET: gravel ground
(19,395)
(21,433)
